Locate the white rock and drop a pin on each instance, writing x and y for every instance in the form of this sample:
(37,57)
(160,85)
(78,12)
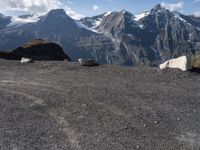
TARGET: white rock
(182,63)
(26,60)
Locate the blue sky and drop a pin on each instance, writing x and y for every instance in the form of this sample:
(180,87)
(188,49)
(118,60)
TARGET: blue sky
(78,8)
(136,6)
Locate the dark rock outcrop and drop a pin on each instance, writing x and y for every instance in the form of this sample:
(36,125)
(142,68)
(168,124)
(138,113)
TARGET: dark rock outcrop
(37,50)
(9,56)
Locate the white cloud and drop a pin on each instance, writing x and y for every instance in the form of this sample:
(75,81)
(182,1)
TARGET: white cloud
(71,3)
(35,6)
(95,7)
(197,13)
(196,1)
(74,14)
(173,6)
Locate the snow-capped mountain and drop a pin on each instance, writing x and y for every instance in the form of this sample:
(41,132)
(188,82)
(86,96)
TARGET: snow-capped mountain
(57,26)
(142,15)
(94,22)
(114,37)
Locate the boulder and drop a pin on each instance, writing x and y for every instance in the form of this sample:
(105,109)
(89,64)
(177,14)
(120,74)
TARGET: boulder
(87,62)
(26,60)
(37,50)
(183,63)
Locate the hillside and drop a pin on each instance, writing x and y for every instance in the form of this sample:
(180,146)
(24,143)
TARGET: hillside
(59,105)
(37,49)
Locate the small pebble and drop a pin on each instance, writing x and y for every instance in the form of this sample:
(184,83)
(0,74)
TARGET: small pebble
(156,122)
(84,105)
(137,146)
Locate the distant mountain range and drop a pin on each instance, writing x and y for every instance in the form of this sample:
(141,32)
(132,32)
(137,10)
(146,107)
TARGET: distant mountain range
(113,37)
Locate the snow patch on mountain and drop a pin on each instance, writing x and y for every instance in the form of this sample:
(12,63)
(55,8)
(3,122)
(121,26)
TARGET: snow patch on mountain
(142,15)
(180,18)
(97,23)
(79,24)
(107,13)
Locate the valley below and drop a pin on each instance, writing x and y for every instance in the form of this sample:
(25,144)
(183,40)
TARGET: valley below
(64,106)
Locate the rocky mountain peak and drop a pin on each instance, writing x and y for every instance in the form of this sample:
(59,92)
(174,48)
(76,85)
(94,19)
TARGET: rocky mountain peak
(57,17)
(4,20)
(2,16)
(119,21)
(125,13)
(57,13)
(158,9)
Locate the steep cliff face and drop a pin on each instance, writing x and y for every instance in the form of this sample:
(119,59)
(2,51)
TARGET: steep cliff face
(156,36)
(171,34)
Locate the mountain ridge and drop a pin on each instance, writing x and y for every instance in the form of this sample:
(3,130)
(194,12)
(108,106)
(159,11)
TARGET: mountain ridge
(118,37)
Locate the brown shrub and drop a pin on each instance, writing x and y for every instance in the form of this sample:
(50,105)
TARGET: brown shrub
(196,62)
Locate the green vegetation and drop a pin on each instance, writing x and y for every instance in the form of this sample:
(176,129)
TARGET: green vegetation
(34,43)
(196,62)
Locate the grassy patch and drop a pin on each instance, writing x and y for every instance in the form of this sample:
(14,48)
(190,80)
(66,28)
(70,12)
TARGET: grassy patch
(34,43)
(196,62)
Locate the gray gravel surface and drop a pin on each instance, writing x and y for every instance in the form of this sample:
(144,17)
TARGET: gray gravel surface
(63,106)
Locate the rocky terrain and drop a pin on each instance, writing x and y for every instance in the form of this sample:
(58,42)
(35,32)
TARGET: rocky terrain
(118,37)
(60,105)
(37,50)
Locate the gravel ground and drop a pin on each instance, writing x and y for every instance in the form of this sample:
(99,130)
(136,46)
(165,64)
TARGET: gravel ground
(63,106)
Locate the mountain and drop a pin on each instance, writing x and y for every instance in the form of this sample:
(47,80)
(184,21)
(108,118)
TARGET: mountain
(77,40)
(4,20)
(170,34)
(127,34)
(153,36)
(116,38)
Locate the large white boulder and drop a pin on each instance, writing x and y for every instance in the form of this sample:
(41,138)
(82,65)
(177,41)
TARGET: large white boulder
(183,63)
(26,60)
